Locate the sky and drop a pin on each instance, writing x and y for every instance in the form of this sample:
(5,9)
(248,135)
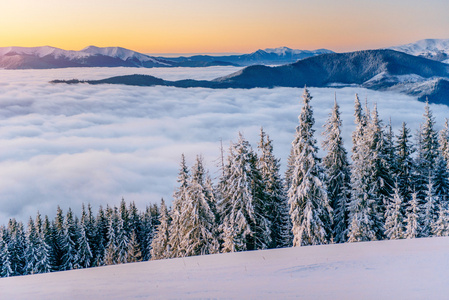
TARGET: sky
(71,144)
(195,26)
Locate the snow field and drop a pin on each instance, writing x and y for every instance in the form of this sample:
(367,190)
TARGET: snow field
(396,269)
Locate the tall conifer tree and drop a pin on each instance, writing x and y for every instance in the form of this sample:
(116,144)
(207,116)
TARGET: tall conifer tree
(276,198)
(336,169)
(310,211)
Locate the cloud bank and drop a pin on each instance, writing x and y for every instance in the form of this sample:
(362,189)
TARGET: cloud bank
(71,144)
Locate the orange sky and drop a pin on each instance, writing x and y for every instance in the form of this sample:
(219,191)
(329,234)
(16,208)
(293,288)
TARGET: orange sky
(182,26)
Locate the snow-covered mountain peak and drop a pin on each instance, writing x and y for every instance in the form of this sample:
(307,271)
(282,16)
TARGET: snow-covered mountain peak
(40,52)
(117,52)
(437,49)
(279,50)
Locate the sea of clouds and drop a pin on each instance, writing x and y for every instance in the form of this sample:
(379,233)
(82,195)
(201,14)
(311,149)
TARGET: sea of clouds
(72,144)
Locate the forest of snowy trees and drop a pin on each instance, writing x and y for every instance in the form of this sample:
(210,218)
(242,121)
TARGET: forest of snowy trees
(393,186)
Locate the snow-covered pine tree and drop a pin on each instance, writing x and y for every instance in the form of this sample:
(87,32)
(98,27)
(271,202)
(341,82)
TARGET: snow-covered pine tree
(67,242)
(394,216)
(413,218)
(245,225)
(441,226)
(429,141)
(441,180)
(135,223)
(111,251)
(83,255)
(16,247)
(404,164)
(310,212)
(179,199)
(58,249)
(160,245)
(124,216)
(43,250)
(289,171)
(443,141)
(101,237)
(429,209)
(380,159)
(5,255)
(337,175)
(147,234)
(122,242)
(31,257)
(362,208)
(134,254)
(427,153)
(277,213)
(198,219)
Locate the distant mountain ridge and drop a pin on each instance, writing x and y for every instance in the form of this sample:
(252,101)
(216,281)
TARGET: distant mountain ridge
(373,69)
(47,57)
(269,56)
(436,49)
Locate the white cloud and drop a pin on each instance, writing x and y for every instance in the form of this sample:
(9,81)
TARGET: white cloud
(68,144)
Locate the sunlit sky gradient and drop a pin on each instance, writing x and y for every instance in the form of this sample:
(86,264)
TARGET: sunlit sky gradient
(182,26)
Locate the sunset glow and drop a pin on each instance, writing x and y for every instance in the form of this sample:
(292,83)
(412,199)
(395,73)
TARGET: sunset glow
(220,26)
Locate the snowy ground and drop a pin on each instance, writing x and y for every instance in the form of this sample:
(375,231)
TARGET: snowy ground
(401,269)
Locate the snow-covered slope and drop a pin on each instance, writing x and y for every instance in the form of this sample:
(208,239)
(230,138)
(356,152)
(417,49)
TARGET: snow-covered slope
(118,52)
(437,49)
(49,57)
(285,51)
(400,269)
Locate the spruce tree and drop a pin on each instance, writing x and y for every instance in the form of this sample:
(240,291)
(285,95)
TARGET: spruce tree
(179,199)
(122,240)
(147,234)
(101,237)
(83,255)
(441,180)
(5,255)
(413,218)
(362,208)
(31,257)
(43,250)
(111,250)
(429,209)
(429,143)
(67,242)
(160,247)
(443,141)
(198,219)
(134,254)
(380,159)
(245,225)
(441,226)
(404,164)
(394,217)
(16,247)
(337,175)
(277,203)
(310,211)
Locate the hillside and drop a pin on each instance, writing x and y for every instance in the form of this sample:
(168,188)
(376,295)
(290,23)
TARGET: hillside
(398,269)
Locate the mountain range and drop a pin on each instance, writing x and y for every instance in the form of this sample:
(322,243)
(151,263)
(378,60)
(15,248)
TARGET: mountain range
(374,69)
(269,56)
(49,57)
